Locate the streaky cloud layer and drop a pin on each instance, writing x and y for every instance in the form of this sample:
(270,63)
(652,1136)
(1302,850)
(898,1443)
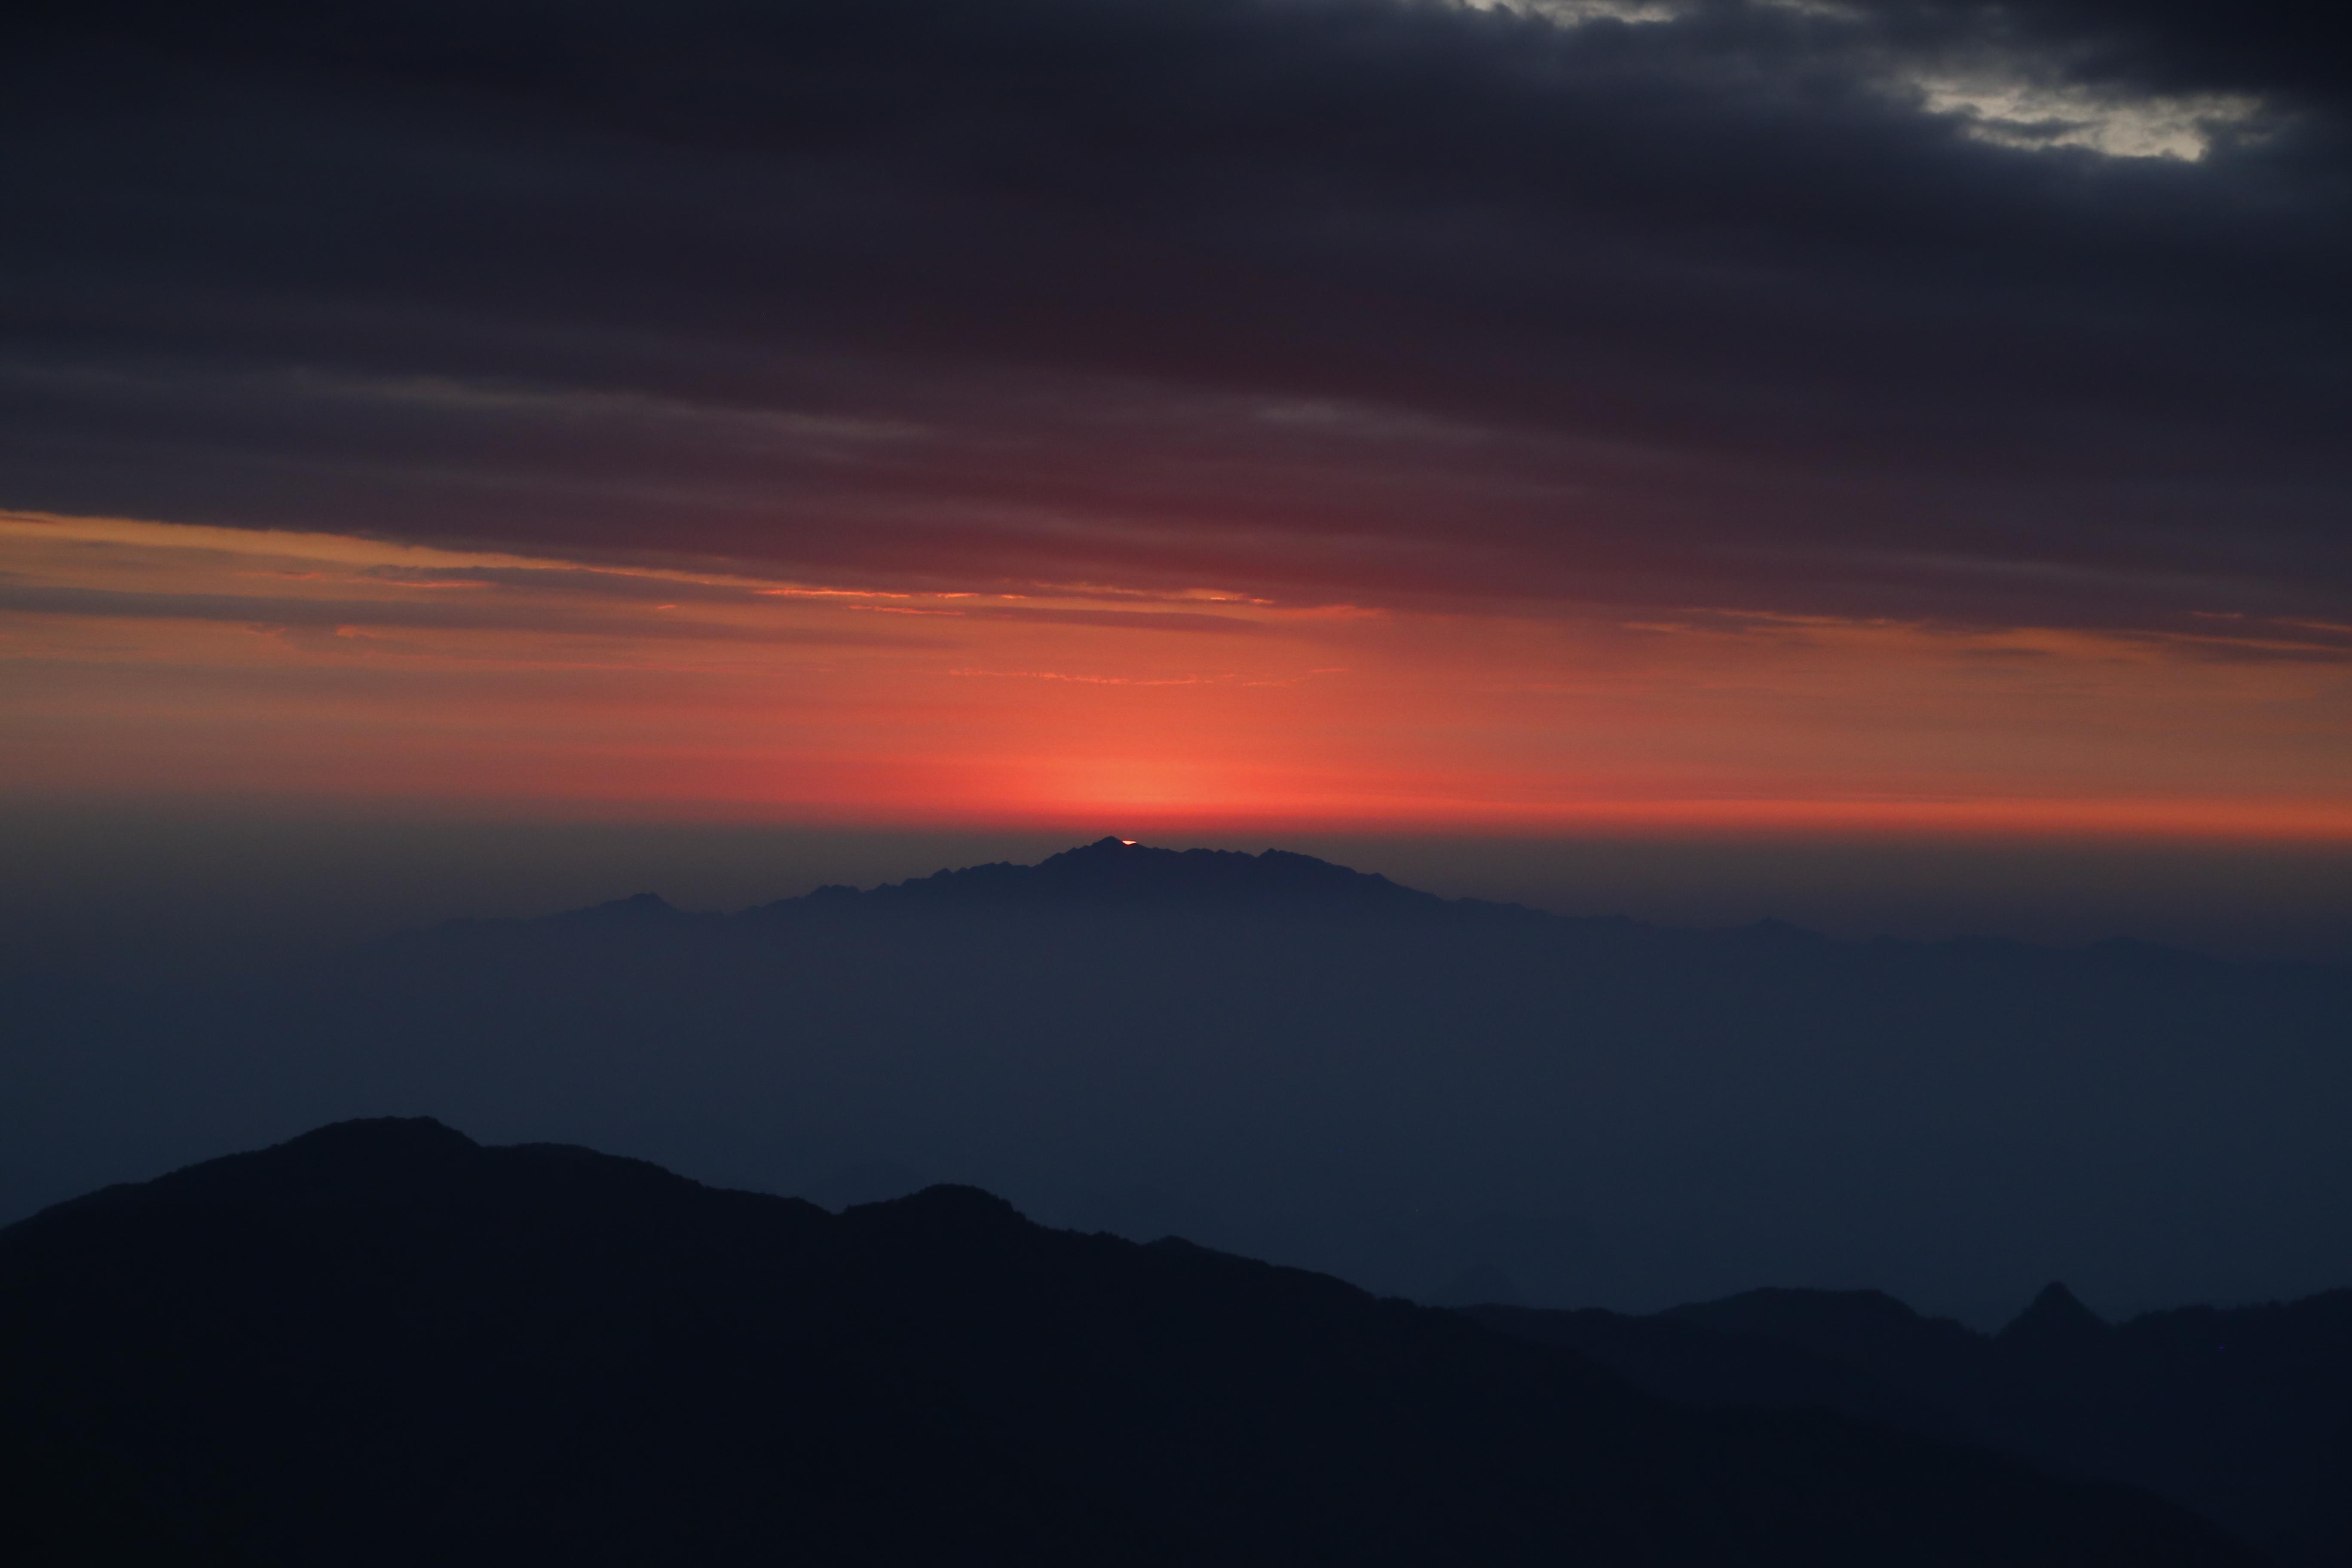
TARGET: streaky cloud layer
(1856,309)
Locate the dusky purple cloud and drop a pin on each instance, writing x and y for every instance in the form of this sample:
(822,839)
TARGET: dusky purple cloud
(1313,299)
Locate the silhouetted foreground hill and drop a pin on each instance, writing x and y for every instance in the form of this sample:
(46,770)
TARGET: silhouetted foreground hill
(384,1343)
(2243,1414)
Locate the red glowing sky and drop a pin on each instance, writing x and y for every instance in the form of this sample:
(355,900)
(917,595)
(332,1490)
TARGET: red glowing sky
(1530,418)
(153,660)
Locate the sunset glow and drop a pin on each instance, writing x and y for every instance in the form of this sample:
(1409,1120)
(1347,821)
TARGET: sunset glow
(153,659)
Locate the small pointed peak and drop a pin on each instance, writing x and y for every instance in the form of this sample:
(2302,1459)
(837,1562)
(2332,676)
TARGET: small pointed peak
(2055,1314)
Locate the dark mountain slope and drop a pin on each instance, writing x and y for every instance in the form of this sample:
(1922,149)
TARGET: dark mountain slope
(2243,1414)
(381,1343)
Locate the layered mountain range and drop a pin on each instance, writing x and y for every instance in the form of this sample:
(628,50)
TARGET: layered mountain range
(1290,1059)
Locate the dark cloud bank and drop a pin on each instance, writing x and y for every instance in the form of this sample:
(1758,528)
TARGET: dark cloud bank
(1318,300)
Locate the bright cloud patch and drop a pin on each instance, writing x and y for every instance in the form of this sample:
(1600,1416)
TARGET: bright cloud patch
(1575,13)
(2034,116)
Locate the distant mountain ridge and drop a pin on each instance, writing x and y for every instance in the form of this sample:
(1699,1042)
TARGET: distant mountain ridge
(382,1343)
(1109,873)
(1113,873)
(2244,1413)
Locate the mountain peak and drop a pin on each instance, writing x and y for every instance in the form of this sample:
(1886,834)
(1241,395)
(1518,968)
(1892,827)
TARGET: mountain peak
(1113,870)
(363,1144)
(374,1158)
(2055,1317)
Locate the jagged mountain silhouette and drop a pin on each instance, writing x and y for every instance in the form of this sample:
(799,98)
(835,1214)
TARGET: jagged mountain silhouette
(384,1343)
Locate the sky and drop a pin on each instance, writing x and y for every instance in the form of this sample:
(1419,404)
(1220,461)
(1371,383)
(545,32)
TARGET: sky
(1804,431)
